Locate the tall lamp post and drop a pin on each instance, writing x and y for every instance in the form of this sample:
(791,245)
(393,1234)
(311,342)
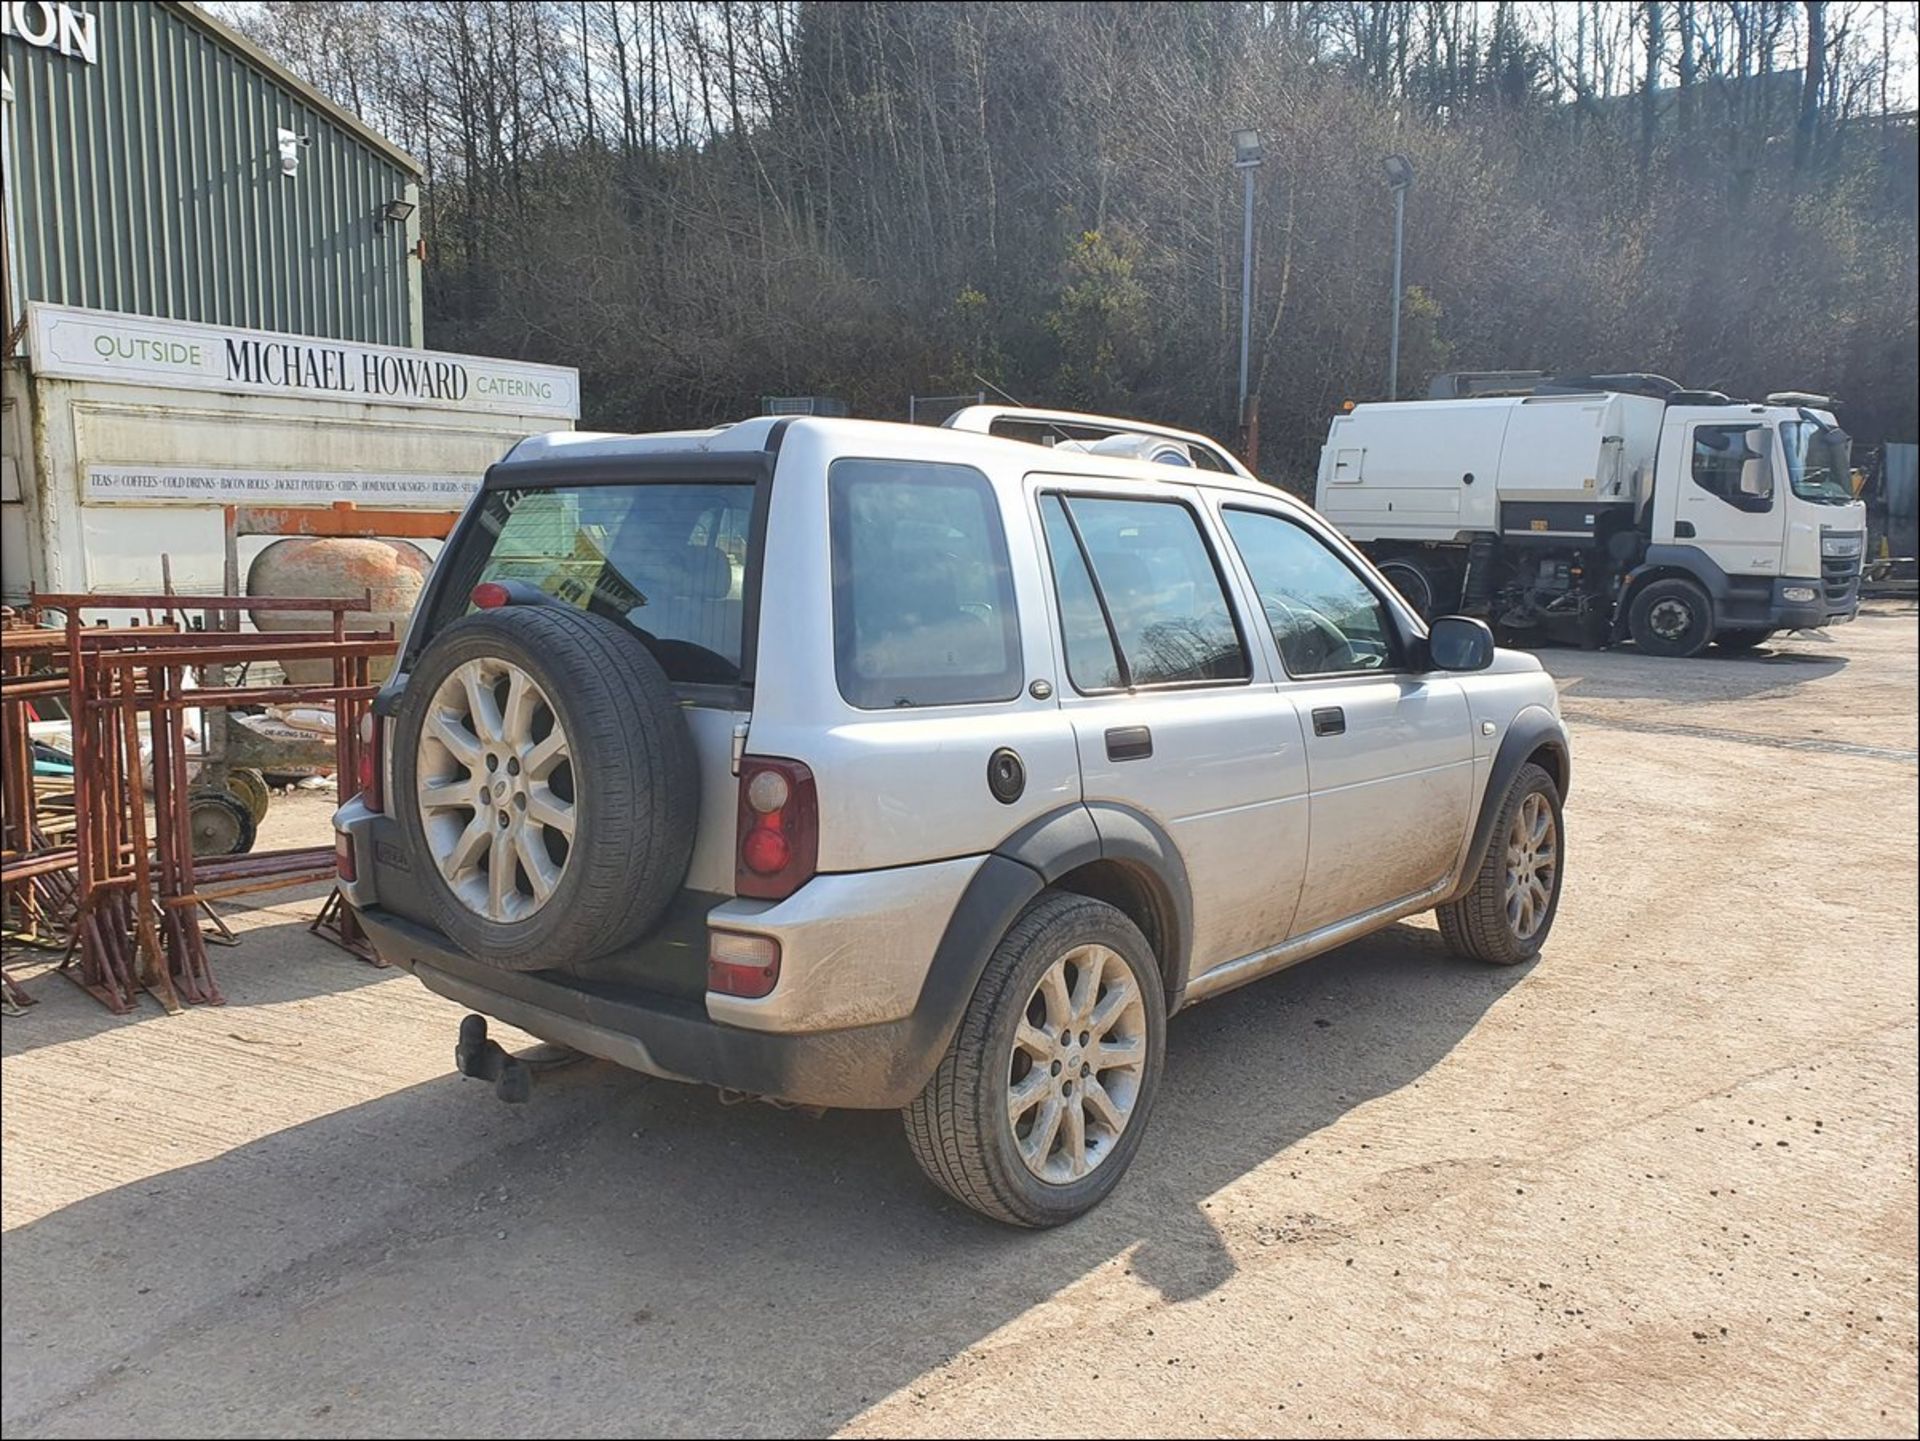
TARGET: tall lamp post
(1400,180)
(1246,159)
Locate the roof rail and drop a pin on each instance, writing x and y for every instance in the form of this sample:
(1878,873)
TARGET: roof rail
(1052,427)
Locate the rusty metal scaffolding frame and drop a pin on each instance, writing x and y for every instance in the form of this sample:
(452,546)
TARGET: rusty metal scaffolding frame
(136,889)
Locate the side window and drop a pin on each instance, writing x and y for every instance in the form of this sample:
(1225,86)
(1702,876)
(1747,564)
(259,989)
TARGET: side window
(923,609)
(1092,662)
(1731,462)
(1326,620)
(1141,601)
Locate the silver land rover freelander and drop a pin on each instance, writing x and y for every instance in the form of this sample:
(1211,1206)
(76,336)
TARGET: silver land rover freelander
(855,764)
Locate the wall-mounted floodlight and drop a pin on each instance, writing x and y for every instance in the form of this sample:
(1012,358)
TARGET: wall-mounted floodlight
(290,143)
(397,211)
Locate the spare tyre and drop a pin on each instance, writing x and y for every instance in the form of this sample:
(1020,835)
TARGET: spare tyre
(545,781)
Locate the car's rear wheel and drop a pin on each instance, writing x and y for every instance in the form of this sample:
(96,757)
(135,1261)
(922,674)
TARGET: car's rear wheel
(1040,1102)
(1504,919)
(545,780)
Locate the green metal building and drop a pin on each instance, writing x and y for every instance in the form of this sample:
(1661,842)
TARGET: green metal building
(158,163)
(212,303)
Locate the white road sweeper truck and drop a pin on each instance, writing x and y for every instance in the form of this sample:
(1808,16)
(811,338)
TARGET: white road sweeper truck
(1594,508)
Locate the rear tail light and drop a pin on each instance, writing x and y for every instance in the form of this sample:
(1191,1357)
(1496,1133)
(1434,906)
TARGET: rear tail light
(742,965)
(371,763)
(343,856)
(779,828)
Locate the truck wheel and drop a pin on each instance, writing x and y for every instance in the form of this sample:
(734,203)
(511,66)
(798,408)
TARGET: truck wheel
(1743,640)
(1040,1102)
(1410,578)
(545,782)
(1671,617)
(1505,918)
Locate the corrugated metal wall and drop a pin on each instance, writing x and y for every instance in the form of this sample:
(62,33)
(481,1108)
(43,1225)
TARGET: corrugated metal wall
(151,183)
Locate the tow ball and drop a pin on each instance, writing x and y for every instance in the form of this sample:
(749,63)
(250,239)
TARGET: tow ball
(483,1059)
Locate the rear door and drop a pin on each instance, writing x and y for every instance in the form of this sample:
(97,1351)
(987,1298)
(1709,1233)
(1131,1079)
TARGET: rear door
(1389,752)
(667,559)
(1173,707)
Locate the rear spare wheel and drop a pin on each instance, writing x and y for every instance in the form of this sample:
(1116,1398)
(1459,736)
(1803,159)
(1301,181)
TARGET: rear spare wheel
(544,778)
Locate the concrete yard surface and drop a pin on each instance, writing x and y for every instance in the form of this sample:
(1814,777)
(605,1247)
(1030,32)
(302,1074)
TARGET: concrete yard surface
(1661,1181)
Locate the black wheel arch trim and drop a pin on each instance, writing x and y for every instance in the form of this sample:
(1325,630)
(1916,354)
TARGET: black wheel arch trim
(1665,560)
(1063,840)
(1534,728)
(1018,869)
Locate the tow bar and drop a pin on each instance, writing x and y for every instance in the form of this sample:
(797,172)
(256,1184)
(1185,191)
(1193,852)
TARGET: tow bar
(484,1060)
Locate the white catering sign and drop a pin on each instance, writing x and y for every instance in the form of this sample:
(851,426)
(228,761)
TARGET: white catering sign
(211,485)
(100,345)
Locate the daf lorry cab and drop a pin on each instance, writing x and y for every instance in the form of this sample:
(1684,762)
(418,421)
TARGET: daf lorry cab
(1601,507)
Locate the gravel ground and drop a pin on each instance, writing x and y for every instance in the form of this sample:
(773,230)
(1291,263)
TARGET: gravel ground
(1660,1182)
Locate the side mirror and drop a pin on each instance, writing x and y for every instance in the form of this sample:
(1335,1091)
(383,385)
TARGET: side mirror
(1459,642)
(1756,478)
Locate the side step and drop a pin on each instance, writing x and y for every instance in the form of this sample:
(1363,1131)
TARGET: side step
(484,1060)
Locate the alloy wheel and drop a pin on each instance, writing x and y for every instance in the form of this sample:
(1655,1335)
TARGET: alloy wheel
(1533,854)
(1079,1057)
(497,788)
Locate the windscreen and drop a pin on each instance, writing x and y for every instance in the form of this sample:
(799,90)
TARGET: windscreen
(1817,461)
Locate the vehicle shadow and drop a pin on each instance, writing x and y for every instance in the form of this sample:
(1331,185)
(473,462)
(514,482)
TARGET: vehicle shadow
(276,961)
(630,1257)
(1714,677)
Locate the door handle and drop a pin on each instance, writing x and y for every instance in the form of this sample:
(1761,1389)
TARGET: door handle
(1683,529)
(1329,720)
(1129,743)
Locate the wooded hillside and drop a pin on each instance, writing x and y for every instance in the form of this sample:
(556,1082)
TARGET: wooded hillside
(698,203)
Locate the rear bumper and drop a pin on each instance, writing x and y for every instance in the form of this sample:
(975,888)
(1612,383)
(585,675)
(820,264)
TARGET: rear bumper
(855,947)
(864,1067)
(876,971)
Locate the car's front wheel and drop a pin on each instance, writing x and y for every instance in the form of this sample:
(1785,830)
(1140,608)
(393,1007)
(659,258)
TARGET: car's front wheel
(1039,1103)
(1505,917)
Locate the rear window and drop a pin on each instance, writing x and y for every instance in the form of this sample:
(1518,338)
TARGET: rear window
(923,610)
(667,561)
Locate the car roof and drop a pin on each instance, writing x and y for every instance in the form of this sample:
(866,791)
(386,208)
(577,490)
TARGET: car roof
(890,439)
